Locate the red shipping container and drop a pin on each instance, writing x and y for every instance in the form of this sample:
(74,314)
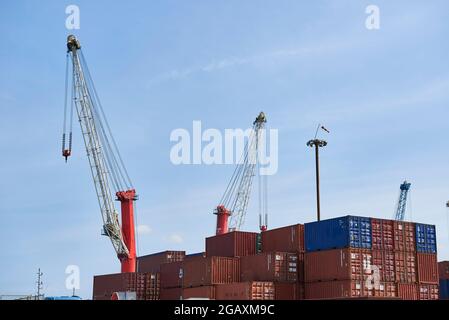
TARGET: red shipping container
(171,294)
(443,270)
(204,292)
(382,233)
(286,291)
(301,291)
(337,264)
(204,271)
(408,291)
(429,292)
(405,267)
(301,258)
(152,286)
(286,239)
(384,261)
(170,274)
(349,289)
(105,285)
(427,266)
(334,289)
(272,266)
(232,244)
(152,262)
(140,285)
(404,236)
(255,290)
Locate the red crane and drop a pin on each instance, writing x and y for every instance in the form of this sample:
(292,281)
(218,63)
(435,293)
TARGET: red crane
(235,200)
(105,161)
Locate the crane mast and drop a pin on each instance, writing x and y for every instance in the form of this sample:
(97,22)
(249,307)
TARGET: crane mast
(233,205)
(104,160)
(402,202)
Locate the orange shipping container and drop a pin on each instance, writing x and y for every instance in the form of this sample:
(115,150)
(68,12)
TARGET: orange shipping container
(204,271)
(382,232)
(404,236)
(255,290)
(429,292)
(384,261)
(405,267)
(285,239)
(232,244)
(337,264)
(272,266)
(427,266)
(408,291)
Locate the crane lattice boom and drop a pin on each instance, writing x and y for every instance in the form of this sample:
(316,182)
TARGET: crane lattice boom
(235,200)
(105,162)
(402,202)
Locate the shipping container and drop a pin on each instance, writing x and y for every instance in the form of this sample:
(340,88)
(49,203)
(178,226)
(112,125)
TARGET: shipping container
(426,241)
(444,289)
(105,285)
(337,264)
(429,292)
(382,232)
(286,291)
(286,239)
(152,262)
(443,269)
(408,291)
(256,290)
(204,271)
(152,286)
(404,236)
(427,266)
(172,274)
(204,292)
(344,232)
(405,267)
(171,294)
(384,261)
(300,264)
(232,244)
(270,266)
(349,289)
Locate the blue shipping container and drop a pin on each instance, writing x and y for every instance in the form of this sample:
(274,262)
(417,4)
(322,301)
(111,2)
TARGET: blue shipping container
(444,289)
(344,232)
(426,241)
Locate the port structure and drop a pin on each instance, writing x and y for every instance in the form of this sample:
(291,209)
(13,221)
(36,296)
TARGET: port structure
(233,205)
(105,161)
(404,189)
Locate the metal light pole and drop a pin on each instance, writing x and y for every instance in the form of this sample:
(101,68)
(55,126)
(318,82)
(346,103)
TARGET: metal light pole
(317,143)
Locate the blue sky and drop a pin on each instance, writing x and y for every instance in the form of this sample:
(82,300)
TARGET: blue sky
(160,65)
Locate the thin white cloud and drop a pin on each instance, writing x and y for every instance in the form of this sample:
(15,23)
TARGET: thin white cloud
(175,238)
(144,229)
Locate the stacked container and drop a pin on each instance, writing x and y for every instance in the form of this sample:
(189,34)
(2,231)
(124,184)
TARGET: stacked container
(153,262)
(362,257)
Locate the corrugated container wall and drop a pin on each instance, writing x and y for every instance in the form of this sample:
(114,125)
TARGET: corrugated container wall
(171,293)
(204,292)
(408,291)
(105,285)
(245,291)
(337,264)
(382,232)
(429,292)
(349,231)
(443,269)
(349,289)
(204,271)
(286,291)
(232,244)
(404,236)
(152,262)
(285,239)
(270,266)
(427,266)
(426,238)
(171,274)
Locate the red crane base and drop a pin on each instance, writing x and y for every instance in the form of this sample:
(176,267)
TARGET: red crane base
(222,219)
(126,199)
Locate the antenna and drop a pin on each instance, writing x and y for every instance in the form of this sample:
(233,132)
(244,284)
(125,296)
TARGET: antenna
(39,283)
